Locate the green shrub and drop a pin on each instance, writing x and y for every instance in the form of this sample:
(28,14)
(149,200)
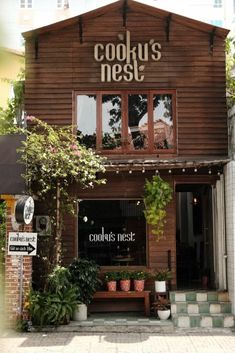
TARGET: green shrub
(84,275)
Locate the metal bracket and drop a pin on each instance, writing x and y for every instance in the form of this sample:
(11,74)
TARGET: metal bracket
(80,29)
(212,40)
(124,12)
(168,27)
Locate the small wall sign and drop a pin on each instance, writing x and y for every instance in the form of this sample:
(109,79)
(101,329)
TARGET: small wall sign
(128,58)
(24,210)
(20,243)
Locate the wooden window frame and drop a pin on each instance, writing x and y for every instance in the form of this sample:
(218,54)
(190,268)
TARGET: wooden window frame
(124,128)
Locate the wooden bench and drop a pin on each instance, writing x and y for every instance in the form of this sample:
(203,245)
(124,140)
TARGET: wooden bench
(125,295)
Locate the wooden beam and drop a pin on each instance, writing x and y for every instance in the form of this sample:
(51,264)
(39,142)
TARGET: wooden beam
(124,12)
(168,27)
(36,47)
(212,40)
(80,29)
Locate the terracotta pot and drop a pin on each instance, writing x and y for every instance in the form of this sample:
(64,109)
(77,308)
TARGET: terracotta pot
(112,286)
(125,284)
(139,285)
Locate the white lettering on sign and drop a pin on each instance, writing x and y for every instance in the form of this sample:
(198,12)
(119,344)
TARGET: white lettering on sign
(128,55)
(110,237)
(22,243)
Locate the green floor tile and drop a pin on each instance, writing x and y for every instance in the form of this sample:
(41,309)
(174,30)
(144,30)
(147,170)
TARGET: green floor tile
(212,297)
(226,308)
(204,308)
(217,321)
(195,321)
(191,296)
(181,308)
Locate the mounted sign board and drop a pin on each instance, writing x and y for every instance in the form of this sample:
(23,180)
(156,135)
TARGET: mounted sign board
(24,210)
(20,243)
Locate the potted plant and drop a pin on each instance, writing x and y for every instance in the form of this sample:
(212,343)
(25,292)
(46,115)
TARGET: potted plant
(139,278)
(84,274)
(163,308)
(56,303)
(111,279)
(125,280)
(160,277)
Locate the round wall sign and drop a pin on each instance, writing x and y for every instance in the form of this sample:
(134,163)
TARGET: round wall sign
(24,210)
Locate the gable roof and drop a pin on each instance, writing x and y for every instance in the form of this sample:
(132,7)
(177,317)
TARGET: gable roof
(125,6)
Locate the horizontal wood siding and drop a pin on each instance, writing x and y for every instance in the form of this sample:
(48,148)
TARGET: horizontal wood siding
(64,65)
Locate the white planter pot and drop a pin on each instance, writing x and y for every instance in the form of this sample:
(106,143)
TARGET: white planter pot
(80,314)
(160,286)
(164,314)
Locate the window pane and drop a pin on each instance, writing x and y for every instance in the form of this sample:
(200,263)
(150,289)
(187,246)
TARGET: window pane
(111,122)
(217,3)
(59,3)
(112,232)
(163,121)
(86,120)
(137,121)
(22,3)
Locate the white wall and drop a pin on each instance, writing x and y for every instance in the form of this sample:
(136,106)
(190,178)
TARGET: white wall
(230,227)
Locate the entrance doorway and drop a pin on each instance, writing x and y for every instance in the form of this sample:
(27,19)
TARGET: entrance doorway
(194,237)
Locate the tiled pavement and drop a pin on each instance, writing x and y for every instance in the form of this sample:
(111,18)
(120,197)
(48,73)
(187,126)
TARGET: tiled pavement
(194,341)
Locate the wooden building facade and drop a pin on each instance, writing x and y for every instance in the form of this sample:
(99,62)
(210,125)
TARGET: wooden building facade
(146,88)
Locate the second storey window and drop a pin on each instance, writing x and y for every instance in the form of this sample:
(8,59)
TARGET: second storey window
(217,3)
(127,122)
(26,4)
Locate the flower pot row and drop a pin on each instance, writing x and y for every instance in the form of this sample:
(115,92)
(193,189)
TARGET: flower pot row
(123,280)
(125,285)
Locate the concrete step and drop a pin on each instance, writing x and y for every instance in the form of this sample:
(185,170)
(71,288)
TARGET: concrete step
(201,307)
(198,296)
(122,326)
(203,320)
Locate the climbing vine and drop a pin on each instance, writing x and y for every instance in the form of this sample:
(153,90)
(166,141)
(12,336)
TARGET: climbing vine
(55,161)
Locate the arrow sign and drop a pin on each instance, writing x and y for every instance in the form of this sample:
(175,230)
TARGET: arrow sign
(22,244)
(22,248)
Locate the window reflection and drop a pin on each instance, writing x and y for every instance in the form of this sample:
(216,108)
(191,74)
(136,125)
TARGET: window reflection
(111,122)
(163,122)
(112,232)
(137,121)
(86,120)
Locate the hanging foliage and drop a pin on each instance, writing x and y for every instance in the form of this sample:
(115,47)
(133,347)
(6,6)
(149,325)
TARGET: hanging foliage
(157,195)
(54,161)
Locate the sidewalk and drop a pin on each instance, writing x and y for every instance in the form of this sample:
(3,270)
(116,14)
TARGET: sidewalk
(197,341)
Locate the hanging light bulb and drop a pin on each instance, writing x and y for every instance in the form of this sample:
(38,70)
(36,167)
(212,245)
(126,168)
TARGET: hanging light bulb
(156,171)
(195,170)
(143,170)
(218,173)
(130,171)
(117,171)
(209,171)
(169,171)
(183,170)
